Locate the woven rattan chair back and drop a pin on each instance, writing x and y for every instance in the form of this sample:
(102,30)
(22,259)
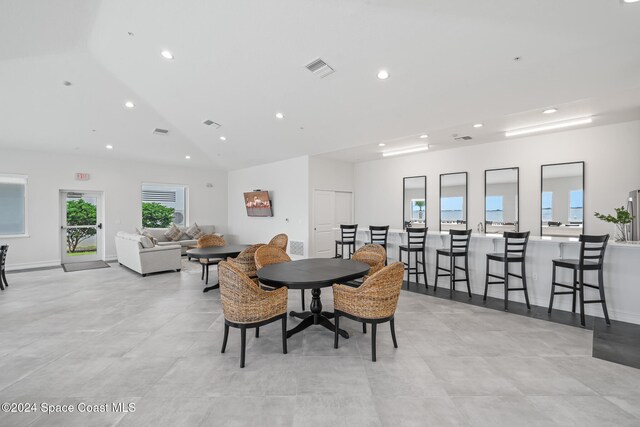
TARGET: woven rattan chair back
(371,254)
(269,254)
(243,301)
(280,241)
(210,240)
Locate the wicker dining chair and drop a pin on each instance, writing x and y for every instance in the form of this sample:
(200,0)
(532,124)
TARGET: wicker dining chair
(270,254)
(280,240)
(373,254)
(246,262)
(374,302)
(245,305)
(208,241)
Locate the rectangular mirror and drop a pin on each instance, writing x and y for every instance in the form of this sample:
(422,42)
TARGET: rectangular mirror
(562,199)
(453,201)
(414,201)
(501,197)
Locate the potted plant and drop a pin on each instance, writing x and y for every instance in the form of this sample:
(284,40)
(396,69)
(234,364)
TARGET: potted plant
(420,204)
(622,218)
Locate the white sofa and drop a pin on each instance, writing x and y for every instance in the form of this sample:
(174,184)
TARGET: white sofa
(158,234)
(138,253)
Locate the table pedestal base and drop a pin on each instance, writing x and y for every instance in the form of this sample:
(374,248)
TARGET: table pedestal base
(315,317)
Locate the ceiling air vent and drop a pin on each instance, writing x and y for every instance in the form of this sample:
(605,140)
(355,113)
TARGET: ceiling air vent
(320,68)
(211,123)
(463,138)
(159,131)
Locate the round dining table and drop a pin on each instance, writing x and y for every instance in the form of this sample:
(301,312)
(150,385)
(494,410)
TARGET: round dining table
(221,252)
(314,274)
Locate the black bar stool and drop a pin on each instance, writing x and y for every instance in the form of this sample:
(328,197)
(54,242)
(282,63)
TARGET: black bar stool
(347,238)
(379,235)
(458,247)
(3,260)
(416,242)
(515,250)
(592,249)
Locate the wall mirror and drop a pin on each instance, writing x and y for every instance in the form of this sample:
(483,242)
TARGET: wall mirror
(414,201)
(453,201)
(501,197)
(562,199)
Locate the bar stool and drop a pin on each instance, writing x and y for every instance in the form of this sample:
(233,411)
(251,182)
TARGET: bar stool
(515,250)
(592,249)
(416,241)
(347,238)
(3,260)
(458,247)
(378,236)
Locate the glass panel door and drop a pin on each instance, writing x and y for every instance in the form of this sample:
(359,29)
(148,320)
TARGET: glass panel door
(81,226)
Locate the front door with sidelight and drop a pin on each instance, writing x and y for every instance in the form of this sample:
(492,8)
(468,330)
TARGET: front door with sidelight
(81,229)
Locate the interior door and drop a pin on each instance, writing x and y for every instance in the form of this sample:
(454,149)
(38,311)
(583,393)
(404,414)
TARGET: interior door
(81,229)
(343,208)
(323,224)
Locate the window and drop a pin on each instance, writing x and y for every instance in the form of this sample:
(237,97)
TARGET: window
(547,206)
(417,209)
(451,208)
(163,204)
(575,206)
(494,208)
(13,205)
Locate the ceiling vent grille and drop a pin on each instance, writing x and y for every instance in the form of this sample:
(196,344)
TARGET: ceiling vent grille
(212,123)
(463,138)
(159,131)
(320,68)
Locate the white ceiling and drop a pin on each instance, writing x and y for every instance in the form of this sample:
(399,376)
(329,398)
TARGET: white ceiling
(239,62)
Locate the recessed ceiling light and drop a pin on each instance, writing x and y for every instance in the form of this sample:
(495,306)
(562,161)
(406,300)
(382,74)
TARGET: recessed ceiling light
(279,116)
(109,147)
(382,144)
(383,74)
(405,151)
(223,138)
(424,135)
(630,1)
(478,125)
(129,104)
(550,126)
(166,54)
(187,157)
(550,111)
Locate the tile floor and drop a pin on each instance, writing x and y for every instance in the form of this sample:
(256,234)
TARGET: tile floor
(102,336)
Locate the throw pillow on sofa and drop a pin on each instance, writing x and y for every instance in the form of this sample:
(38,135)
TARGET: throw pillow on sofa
(150,237)
(195,232)
(174,233)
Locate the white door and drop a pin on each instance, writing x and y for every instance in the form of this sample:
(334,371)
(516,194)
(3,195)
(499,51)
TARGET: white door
(323,233)
(330,209)
(81,228)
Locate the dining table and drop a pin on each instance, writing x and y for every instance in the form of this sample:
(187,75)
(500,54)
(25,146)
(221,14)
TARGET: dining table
(314,274)
(216,252)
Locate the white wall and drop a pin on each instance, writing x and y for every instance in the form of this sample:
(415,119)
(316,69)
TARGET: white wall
(288,184)
(612,169)
(119,180)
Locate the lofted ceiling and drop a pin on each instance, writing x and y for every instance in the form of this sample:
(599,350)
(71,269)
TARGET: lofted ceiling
(238,63)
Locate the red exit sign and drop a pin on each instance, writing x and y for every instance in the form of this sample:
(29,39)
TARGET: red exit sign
(82,176)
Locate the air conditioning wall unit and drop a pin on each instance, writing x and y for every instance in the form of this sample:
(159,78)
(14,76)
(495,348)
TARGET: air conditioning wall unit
(178,217)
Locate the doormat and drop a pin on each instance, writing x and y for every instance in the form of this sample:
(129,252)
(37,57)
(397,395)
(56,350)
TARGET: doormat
(89,265)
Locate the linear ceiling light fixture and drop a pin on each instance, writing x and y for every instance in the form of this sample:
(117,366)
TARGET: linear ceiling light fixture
(405,151)
(550,126)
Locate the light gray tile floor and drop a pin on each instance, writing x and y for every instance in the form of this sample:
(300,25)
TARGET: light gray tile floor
(110,336)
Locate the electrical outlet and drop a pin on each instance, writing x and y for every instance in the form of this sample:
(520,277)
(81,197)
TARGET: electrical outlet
(534,276)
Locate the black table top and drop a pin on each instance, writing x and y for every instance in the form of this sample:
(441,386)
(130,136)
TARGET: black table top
(312,273)
(217,251)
